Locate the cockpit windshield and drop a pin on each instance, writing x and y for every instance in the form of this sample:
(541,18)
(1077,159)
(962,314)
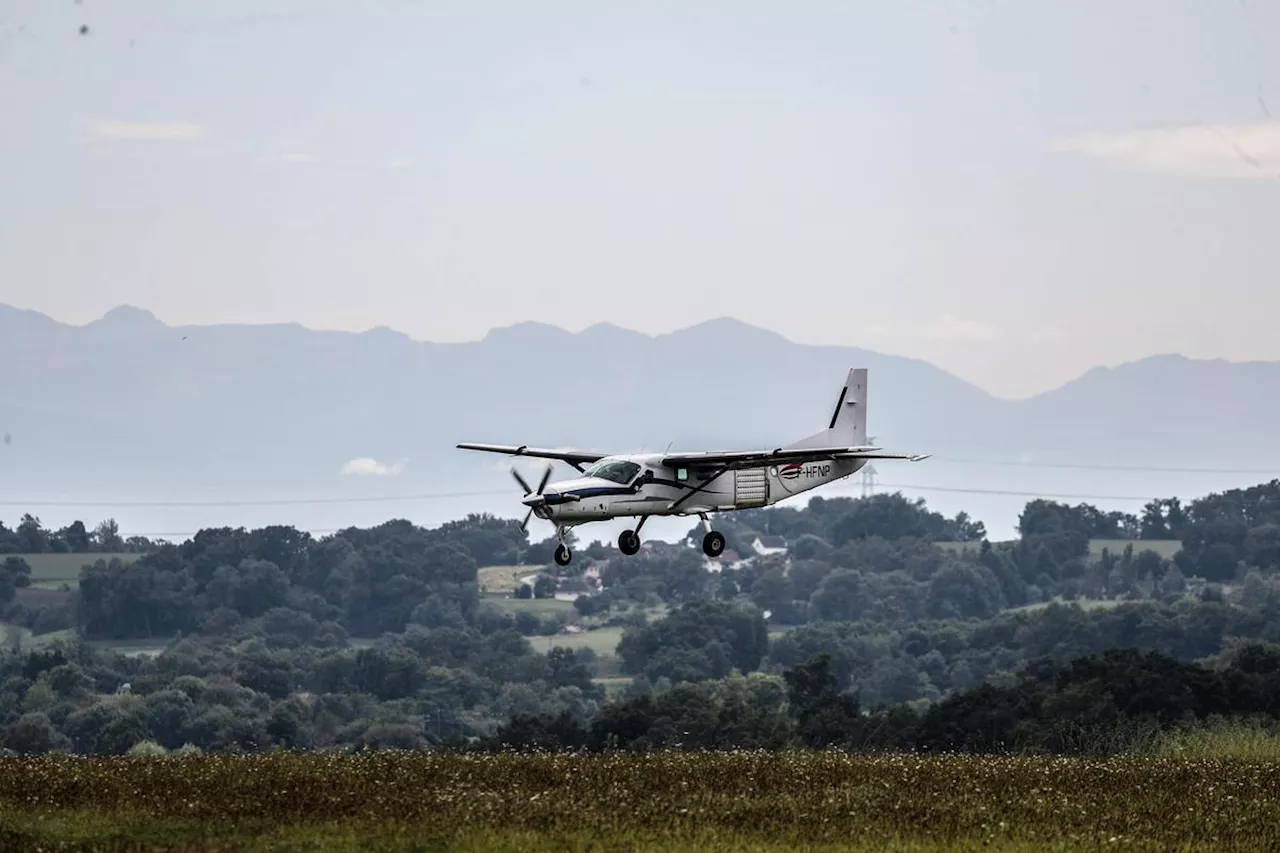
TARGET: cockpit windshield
(614,470)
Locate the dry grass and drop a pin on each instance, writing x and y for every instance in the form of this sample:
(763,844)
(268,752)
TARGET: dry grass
(1230,740)
(662,801)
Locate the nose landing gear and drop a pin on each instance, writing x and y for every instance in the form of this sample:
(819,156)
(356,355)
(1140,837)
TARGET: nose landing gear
(563,555)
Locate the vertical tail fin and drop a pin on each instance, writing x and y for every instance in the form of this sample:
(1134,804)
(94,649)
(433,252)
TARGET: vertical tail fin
(848,424)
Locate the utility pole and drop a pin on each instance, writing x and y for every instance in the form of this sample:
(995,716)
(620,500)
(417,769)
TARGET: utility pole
(869,475)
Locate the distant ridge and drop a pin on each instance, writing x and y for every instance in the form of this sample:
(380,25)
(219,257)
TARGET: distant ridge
(128,405)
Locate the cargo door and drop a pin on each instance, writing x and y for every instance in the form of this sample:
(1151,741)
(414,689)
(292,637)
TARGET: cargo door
(750,488)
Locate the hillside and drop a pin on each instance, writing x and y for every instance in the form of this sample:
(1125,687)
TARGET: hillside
(129,409)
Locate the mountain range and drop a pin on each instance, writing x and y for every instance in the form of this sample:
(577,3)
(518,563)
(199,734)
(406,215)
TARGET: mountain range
(129,409)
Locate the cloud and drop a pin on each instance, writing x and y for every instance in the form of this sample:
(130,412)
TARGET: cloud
(1198,151)
(949,328)
(368,467)
(299,157)
(148,130)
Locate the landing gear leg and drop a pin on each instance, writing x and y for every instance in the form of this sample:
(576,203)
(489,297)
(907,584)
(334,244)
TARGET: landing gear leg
(713,542)
(629,541)
(563,554)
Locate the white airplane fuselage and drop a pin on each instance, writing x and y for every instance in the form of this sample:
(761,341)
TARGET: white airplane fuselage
(635,485)
(640,485)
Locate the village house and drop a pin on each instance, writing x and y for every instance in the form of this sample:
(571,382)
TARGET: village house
(769,544)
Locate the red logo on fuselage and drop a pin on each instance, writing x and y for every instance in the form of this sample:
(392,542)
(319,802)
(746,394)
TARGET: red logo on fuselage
(808,470)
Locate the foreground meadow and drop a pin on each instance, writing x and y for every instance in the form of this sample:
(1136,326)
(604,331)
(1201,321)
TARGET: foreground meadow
(666,801)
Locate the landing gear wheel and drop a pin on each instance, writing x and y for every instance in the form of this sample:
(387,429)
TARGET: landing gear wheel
(629,542)
(563,555)
(713,544)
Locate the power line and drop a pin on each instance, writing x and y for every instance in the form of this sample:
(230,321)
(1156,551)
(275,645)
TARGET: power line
(442,495)
(1011,493)
(917,488)
(424,496)
(273,502)
(1271,472)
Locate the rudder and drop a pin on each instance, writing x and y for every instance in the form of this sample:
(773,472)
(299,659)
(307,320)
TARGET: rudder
(848,424)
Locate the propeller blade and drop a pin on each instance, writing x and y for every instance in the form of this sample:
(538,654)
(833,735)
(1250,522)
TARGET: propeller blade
(524,525)
(546,475)
(524,485)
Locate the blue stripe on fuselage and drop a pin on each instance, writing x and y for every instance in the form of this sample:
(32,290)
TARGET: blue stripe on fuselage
(599,491)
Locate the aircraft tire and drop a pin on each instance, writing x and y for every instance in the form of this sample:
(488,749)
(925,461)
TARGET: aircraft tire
(563,555)
(713,544)
(629,542)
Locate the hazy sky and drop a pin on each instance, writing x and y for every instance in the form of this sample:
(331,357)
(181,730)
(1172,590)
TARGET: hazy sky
(1014,190)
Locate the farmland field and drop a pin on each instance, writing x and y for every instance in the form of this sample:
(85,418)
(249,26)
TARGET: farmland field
(496,579)
(1164,547)
(1082,603)
(660,801)
(604,641)
(539,606)
(50,571)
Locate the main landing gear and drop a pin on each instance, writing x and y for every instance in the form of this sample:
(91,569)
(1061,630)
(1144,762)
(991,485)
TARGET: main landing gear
(712,543)
(629,540)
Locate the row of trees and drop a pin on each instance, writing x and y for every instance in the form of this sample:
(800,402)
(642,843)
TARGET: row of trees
(888,659)
(278,683)
(268,659)
(1099,704)
(31,537)
(424,689)
(883,557)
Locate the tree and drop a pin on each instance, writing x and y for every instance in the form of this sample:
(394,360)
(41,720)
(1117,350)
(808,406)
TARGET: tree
(76,537)
(544,587)
(106,537)
(1173,582)
(33,734)
(710,637)
(17,571)
(1262,546)
(32,537)
(823,715)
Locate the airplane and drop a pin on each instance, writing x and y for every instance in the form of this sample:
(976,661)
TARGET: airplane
(643,485)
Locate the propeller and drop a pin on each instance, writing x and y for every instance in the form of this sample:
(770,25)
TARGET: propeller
(542,484)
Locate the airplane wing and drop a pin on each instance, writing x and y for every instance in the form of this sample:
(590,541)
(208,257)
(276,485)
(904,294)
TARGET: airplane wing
(573,457)
(755,458)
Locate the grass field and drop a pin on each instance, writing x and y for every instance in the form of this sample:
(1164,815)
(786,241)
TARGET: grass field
(539,606)
(660,801)
(1082,603)
(502,578)
(1164,547)
(52,570)
(604,641)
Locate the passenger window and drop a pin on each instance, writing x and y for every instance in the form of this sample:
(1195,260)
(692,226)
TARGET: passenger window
(682,474)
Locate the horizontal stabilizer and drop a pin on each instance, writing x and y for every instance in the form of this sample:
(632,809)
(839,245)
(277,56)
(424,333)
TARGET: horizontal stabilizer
(877,454)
